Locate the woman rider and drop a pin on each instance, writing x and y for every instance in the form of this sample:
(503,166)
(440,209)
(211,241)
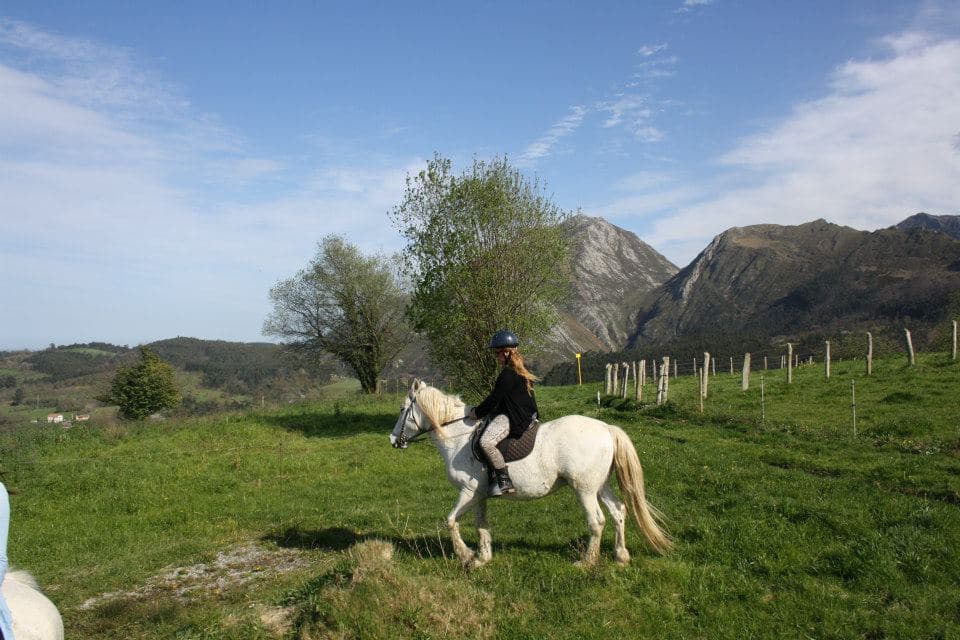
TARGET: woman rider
(512,404)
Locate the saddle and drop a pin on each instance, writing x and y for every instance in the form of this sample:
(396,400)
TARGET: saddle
(510,448)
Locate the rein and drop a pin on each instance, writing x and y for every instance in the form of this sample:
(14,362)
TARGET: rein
(403,440)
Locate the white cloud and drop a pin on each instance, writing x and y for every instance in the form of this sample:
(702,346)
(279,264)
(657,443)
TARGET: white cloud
(138,218)
(878,147)
(634,113)
(543,146)
(651,49)
(689,5)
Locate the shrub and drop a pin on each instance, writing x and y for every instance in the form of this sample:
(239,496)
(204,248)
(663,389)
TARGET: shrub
(144,388)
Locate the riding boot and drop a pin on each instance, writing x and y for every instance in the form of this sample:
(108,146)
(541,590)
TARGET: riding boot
(492,484)
(504,482)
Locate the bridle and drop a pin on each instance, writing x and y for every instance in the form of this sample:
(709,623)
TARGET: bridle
(402,440)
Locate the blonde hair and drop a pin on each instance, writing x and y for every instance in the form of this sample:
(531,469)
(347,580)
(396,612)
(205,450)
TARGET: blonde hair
(515,362)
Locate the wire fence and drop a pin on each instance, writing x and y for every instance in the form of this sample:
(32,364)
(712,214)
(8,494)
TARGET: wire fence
(894,401)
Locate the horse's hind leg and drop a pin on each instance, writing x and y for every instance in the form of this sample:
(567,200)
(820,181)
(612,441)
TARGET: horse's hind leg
(618,511)
(595,521)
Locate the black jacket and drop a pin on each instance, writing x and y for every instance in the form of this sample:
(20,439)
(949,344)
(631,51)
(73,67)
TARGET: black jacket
(510,397)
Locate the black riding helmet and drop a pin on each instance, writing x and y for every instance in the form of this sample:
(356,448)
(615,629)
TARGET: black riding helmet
(503,339)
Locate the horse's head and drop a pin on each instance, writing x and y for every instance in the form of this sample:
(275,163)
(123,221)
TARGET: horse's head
(412,421)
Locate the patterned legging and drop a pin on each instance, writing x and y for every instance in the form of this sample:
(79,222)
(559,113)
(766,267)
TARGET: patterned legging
(497,430)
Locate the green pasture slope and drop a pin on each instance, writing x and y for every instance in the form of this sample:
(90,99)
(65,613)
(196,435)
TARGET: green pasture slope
(788,525)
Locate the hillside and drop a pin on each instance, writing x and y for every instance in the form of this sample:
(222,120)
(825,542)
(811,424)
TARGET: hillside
(612,270)
(302,522)
(214,375)
(772,280)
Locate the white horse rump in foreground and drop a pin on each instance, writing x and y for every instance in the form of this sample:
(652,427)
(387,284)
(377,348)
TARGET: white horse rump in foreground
(575,450)
(34,616)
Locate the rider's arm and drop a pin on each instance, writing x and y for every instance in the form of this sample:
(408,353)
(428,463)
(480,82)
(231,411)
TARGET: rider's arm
(500,389)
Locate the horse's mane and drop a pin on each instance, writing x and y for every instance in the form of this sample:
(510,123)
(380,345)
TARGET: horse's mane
(439,407)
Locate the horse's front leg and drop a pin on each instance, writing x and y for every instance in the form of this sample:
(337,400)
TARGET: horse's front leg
(483,530)
(467,499)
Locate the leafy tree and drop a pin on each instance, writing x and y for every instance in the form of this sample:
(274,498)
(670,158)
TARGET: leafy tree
(485,251)
(344,304)
(144,388)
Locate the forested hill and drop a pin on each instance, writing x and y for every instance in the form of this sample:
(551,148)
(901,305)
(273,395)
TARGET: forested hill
(240,366)
(233,366)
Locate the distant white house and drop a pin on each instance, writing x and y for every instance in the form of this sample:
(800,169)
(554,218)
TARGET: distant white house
(54,417)
(80,417)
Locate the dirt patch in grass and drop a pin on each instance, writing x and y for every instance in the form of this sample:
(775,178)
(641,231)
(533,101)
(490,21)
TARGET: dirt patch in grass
(232,568)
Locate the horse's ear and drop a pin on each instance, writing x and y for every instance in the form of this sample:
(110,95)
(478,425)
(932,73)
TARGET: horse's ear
(417,383)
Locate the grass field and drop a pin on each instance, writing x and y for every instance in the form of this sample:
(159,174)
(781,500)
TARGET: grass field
(304,523)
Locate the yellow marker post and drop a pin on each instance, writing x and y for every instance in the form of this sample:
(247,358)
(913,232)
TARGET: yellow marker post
(579,375)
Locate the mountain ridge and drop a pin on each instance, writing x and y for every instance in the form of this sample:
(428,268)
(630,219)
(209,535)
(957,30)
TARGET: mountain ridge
(777,279)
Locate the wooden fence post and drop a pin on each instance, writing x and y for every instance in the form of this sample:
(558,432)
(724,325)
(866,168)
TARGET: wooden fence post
(659,386)
(609,389)
(641,378)
(909,347)
(869,353)
(853,404)
(706,373)
(731,365)
(663,384)
(745,383)
(790,363)
(703,376)
(826,360)
(674,368)
(713,365)
(764,363)
(954,356)
(626,379)
(666,378)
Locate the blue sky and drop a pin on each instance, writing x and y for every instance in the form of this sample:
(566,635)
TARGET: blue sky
(162,165)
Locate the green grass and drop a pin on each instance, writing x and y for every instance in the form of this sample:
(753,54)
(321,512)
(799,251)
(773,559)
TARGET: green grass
(788,525)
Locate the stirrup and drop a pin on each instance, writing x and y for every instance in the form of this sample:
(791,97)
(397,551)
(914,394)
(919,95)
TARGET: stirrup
(503,481)
(493,487)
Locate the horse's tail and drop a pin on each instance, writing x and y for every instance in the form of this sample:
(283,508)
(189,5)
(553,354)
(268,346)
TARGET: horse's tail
(630,476)
(22,577)
(34,616)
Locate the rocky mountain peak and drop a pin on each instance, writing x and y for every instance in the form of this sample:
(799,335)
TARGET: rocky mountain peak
(949,225)
(777,279)
(612,270)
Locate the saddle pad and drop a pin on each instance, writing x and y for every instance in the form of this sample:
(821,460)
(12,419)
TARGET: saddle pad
(511,448)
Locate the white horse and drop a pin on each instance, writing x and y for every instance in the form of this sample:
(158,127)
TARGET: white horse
(34,616)
(575,450)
